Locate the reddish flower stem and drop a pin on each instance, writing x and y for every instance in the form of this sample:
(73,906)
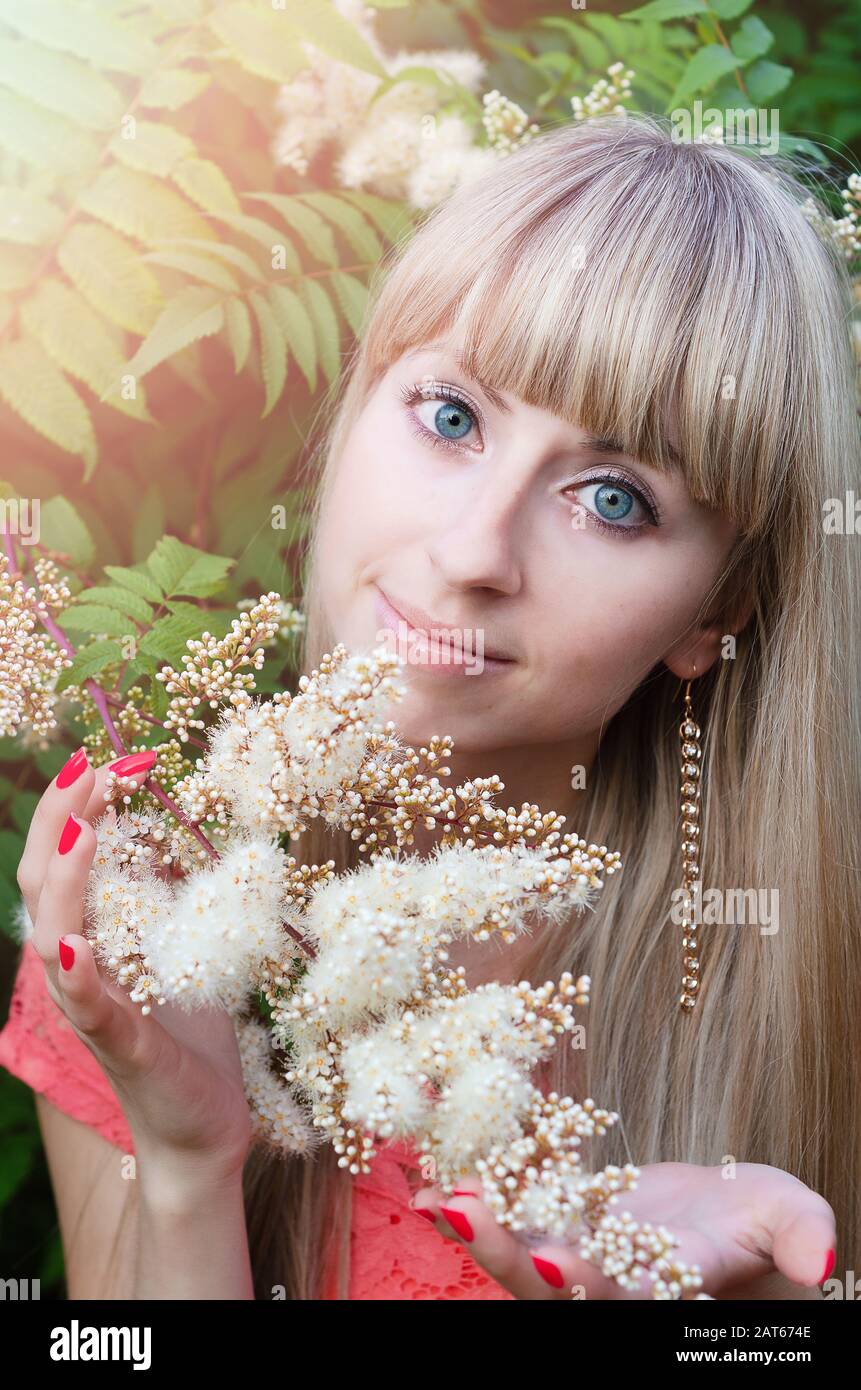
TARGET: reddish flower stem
(121,704)
(101,699)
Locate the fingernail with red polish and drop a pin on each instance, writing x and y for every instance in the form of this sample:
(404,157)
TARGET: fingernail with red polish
(71,770)
(462,1192)
(71,831)
(550,1273)
(425,1212)
(457,1220)
(829,1265)
(133,764)
(67,955)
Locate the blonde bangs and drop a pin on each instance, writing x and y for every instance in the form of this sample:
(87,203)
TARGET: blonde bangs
(688,302)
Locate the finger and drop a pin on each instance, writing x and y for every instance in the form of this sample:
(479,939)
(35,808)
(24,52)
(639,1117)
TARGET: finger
(78,788)
(546,1270)
(110,1028)
(70,791)
(102,1019)
(61,902)
(787,1225)
(804,1239)
(132,768)
(463,1216)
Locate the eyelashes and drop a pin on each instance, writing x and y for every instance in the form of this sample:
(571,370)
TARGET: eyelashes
(437,390)
(609,475)
(432,390)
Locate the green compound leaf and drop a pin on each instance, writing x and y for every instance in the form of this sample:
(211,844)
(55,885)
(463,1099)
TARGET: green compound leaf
(137,580)
(667,9)
(89,662)
(97,618)
(705,68)
(124,601)
(181,569)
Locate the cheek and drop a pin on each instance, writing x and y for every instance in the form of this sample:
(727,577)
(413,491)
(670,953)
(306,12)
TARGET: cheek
(367,517)
(371,496)
(628,614)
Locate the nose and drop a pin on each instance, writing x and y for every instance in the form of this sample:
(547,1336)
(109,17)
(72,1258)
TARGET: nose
(478,544)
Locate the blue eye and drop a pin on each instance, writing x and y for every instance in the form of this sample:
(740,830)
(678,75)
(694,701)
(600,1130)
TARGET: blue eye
(613,502)
(452,421)
(615,499)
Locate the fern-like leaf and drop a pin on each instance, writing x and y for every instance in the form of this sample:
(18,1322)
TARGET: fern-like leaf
(263,42)
(107,269)
(141,206)
(43,139)
(61,83)
(325,321)
(111,44)
(169,89)
(239,334)
(347,218)
(234,255)
(27,217)
(203,268)
(81,343)
(314,231)
(197,312)
(153,147)
(34,387)
(205,184)
(352,297)
(298,328)
(273,351)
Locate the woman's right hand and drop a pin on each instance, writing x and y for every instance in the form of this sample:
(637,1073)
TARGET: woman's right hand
(176,1073)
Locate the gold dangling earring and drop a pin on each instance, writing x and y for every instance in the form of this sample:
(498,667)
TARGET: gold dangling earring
(689,733)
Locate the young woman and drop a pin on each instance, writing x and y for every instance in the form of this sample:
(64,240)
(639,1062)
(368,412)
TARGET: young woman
(601,402)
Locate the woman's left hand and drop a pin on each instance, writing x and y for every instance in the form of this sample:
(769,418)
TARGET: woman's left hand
(736,1229)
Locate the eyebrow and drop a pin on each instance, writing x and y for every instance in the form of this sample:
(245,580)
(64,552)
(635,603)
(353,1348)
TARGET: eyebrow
(601,444)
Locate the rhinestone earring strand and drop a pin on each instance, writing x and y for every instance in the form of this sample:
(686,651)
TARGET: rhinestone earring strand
(690,734)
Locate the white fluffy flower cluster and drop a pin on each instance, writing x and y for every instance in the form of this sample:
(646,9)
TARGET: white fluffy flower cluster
(380,930)
(272,766)
(196,940)
(371,1032)
(400,147)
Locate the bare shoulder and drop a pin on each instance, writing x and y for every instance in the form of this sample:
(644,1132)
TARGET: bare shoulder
(96,1205)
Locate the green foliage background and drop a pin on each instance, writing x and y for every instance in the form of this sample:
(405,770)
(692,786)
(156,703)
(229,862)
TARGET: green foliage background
(175,307)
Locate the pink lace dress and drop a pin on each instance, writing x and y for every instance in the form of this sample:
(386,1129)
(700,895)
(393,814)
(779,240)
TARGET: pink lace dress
(394,1253)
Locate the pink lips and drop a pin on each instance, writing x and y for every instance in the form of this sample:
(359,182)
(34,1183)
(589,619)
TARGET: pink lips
(428,649)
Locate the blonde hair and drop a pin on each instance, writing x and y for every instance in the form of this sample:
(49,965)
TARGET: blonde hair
(602,272)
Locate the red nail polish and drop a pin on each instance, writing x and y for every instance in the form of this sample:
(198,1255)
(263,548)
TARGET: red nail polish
(459,1222)
(829,1265)
(425,1212)
(133,764)
(550,1273)
(67,955)
(71,831)
(71,770)
(462,1192)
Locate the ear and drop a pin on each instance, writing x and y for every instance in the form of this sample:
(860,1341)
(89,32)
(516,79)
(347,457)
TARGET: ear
(693,657)
(701,648)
